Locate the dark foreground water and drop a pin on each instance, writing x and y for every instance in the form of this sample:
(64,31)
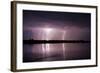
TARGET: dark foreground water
(56,52)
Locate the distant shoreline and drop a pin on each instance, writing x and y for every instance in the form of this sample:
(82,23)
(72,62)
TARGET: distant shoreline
(53,41)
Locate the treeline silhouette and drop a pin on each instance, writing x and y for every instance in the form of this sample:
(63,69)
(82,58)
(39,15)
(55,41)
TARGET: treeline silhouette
(32,41)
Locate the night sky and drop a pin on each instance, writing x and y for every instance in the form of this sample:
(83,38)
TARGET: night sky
(47,25)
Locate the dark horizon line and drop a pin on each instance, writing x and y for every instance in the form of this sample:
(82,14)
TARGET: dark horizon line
(53,41)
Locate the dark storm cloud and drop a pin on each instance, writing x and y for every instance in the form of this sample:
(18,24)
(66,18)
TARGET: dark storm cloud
(61,19)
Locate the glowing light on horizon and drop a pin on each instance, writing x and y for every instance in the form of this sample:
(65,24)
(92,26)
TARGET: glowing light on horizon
(46,35)
(46,47)
(48,31)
